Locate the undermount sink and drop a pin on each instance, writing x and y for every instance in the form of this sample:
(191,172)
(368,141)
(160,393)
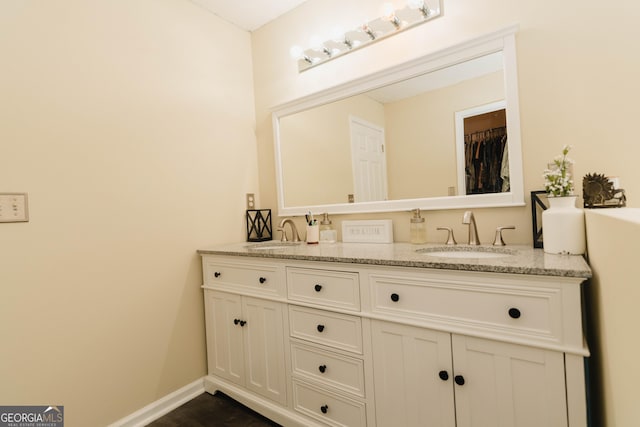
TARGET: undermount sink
(272,244)
(467,252)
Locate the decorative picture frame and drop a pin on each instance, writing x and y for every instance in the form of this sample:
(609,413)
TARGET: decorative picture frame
(539,204)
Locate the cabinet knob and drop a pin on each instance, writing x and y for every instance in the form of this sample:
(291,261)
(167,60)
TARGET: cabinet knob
(444,375)
(262,279)
(318,287)
(236,321)
(217,274)
(395,297)
(322,368)
(320,328)
(243,322)
(459,379)
(324,409)
(514,313)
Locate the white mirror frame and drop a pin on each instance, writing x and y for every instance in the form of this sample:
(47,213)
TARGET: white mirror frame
(502,40)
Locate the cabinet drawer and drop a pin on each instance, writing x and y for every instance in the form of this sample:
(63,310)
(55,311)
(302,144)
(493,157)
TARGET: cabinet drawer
(330,409)
(252,277)
(336,330)
(522,311)
(331,369)
(329,288)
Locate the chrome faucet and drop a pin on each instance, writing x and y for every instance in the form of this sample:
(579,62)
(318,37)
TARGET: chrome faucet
(468,218)
(294,230)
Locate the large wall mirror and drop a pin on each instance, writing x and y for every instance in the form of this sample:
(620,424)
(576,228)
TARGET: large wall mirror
(439,132)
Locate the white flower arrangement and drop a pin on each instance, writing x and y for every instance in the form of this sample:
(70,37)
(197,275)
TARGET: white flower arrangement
(557,180)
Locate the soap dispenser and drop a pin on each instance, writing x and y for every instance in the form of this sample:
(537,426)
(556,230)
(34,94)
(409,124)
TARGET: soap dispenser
(327,232)
(418,228)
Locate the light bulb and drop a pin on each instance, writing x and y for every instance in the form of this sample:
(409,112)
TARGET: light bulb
(337,34)
(296,52)
(388,12)
(419,5)
(316,43)
(415,4)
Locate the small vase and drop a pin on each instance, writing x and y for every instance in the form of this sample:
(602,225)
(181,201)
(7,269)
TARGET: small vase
(563,227)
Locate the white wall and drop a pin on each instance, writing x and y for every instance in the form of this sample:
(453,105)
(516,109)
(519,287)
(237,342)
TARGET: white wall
(577,76)
(613,237)
(131,126)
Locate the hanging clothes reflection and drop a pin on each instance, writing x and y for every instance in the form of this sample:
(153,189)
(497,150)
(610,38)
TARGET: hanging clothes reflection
(487,161)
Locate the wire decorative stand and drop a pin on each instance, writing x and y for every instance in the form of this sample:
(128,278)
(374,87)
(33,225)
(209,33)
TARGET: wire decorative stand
(259,225)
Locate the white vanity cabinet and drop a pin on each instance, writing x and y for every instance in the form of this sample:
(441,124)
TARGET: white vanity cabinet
(246,342)
(420,373)
(498,351)
(357,344)
(245,334)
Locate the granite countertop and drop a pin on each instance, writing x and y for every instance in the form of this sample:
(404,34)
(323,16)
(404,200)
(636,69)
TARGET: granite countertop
(518,259)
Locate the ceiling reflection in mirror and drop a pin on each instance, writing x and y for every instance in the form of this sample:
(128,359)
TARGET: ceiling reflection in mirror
(399,142)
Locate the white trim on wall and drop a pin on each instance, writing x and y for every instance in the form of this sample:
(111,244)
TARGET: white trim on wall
(162,406)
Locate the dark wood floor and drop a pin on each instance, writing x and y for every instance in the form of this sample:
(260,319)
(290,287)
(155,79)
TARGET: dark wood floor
(216,410)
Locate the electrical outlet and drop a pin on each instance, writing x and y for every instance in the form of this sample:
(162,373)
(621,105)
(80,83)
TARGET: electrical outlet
(251,201)
(14,207)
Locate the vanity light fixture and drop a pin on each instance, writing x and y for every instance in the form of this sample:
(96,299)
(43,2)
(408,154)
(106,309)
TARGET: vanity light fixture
(367,30)
(389,14)
(419,5)
(391,22)
(297,52)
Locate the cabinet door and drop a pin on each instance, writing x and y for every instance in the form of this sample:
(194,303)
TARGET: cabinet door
(507,385)
(264,348)
(413,379)
(224,336)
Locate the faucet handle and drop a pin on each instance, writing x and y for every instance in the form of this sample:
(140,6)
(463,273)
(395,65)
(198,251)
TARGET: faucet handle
(450,239)
(284,234)
(498,241)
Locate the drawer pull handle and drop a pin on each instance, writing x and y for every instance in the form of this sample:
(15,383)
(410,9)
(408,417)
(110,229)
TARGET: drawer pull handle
(217,274)
(514,313)
(320,328)
(262,279)
(318,288)
(239,322)
(444,375)
(324,409)
(395,297)
(459,379)
(322,368)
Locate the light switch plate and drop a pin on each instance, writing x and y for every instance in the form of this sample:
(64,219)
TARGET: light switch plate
(14,207)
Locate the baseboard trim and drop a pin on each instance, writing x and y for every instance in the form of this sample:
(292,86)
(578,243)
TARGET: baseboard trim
(162,406)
